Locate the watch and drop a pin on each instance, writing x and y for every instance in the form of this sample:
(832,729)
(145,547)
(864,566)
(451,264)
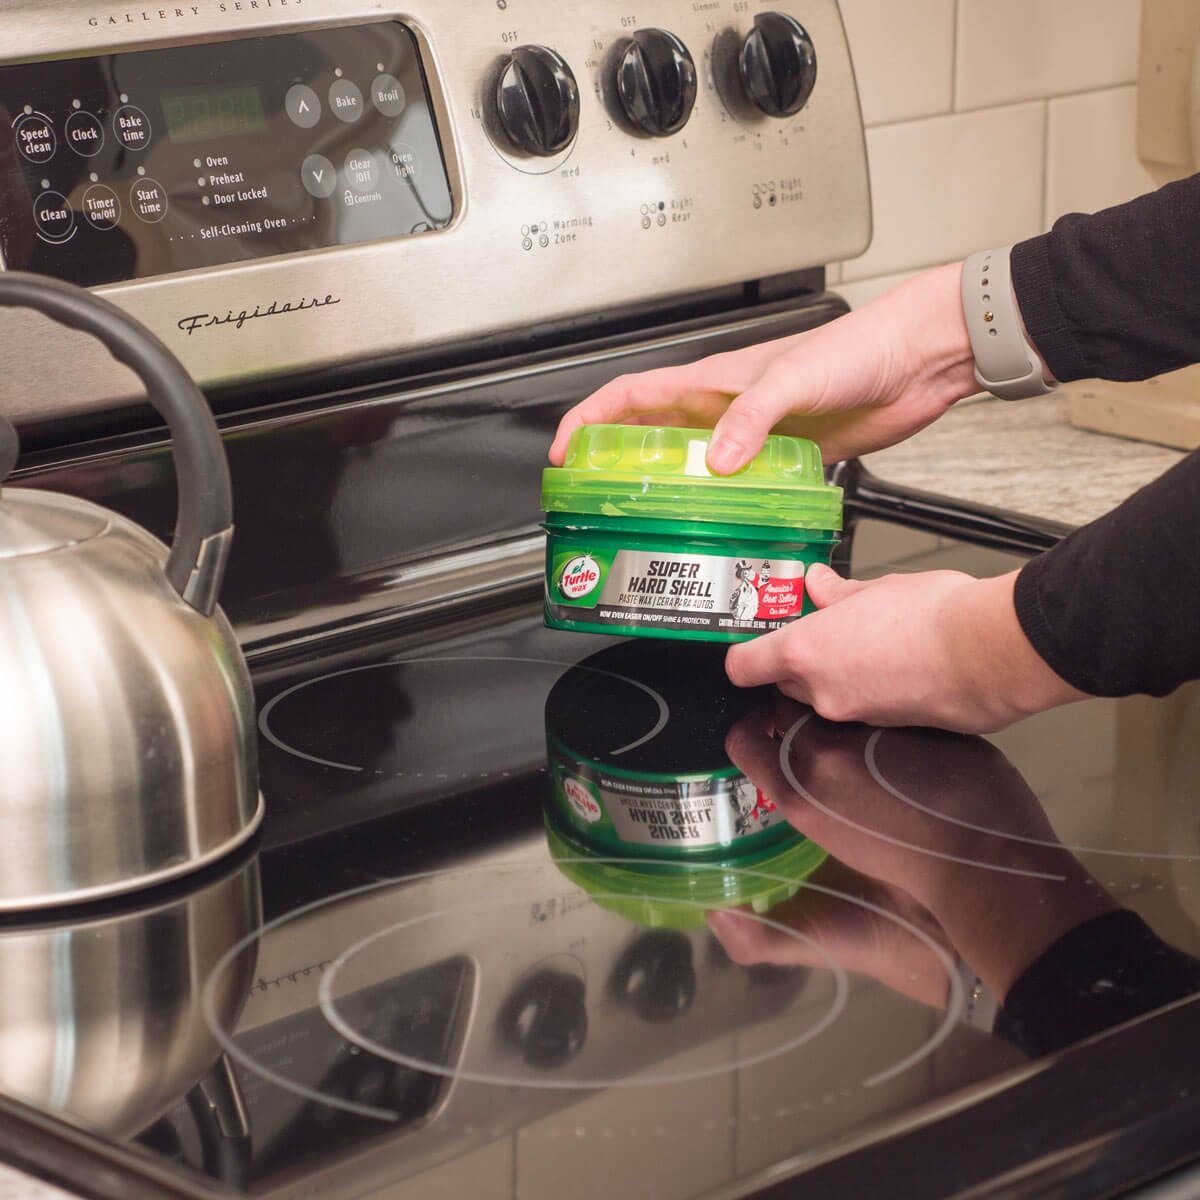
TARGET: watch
(1007,363)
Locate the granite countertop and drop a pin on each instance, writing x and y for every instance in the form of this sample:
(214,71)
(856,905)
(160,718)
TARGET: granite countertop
(1023,457)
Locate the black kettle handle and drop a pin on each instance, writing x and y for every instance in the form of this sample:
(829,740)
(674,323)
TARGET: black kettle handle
(204,523)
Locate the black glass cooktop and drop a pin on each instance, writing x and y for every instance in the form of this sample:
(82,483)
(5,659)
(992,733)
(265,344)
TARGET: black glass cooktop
(542,915)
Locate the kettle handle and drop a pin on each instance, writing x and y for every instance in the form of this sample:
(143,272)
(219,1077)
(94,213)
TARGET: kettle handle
(204,524)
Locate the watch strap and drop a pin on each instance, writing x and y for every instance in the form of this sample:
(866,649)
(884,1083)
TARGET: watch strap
(1006,364)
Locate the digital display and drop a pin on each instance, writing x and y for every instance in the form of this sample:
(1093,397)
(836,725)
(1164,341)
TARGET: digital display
(204,114)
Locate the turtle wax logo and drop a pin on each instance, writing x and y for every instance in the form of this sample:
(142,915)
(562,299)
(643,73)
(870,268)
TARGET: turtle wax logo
(579,577)
(579,797)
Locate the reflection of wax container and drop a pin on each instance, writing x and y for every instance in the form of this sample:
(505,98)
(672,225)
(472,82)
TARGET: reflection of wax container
(636,744)
(665,895)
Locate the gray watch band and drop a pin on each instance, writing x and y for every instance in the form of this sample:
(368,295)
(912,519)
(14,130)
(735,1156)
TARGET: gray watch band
(1005,362)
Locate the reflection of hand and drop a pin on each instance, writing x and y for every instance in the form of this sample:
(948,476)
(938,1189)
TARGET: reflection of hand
(857,937)
(932,648)
(1000,900)
(865,381)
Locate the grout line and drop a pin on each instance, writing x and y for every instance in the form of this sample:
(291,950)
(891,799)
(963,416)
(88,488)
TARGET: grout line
(1045,163)
(954,57)
(1071,92)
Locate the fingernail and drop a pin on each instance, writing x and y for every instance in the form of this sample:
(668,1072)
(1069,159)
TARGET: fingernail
(820,570)
(724,455)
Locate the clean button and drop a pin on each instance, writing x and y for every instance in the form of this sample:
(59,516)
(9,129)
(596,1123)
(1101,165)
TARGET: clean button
(53,216)
(318,176)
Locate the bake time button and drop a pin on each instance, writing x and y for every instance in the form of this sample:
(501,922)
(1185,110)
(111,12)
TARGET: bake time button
(132,127)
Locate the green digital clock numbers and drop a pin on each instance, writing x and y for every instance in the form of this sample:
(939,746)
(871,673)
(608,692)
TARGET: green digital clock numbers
(210,113)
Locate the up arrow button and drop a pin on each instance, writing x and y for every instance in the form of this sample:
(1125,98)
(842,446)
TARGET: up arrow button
(302,106)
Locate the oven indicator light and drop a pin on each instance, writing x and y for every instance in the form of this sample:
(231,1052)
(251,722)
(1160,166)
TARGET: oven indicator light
(579,577)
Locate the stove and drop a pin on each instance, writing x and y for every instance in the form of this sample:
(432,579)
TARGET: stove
(948,966)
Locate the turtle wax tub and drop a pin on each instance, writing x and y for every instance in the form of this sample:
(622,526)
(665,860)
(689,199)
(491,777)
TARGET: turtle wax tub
(635,738)
(643,540)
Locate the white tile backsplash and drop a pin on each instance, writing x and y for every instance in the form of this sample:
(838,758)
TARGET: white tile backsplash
(945,186)
(903,56)
(1091,156)
(987,119)
(1019,49)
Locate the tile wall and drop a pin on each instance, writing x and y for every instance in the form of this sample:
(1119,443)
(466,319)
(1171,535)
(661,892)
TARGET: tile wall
(986,120)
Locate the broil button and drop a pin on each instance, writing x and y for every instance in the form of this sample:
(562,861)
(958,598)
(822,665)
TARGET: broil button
(387,94)
(149,200)
(53,216)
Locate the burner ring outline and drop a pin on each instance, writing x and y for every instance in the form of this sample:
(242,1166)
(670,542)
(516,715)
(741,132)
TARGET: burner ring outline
(264,716)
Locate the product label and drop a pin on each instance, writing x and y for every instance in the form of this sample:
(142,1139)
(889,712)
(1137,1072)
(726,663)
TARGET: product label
(696,815)
(678,591)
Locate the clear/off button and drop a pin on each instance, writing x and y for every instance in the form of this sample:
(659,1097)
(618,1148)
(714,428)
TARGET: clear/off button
(53,216)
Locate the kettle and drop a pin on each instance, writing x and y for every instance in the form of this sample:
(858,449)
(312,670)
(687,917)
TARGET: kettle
(127,754)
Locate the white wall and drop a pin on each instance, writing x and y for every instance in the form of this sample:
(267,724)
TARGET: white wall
(986,120)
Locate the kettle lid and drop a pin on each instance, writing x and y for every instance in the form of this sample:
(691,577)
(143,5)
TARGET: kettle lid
(34,522)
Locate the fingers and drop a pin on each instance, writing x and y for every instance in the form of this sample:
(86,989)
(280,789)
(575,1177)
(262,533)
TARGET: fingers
(825,586)
(740,433)
(666,389)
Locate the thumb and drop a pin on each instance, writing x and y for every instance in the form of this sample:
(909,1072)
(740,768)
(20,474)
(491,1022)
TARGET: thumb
(825,586)
(739,435)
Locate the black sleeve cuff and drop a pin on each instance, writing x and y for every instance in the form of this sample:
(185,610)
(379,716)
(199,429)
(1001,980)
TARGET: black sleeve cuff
(1100,974)
(1045,321)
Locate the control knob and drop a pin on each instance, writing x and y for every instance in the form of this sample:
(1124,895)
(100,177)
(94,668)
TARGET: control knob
(656,81)
(537,101)
(778,64)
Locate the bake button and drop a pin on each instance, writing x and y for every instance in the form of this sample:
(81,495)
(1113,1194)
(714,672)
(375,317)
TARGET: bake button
(85,134)
(346,100)
(387,94)
(362,171)
(318,176)
(101,207)
(35,138)
(53,216)
(132,127)
(149,200)
(303,106)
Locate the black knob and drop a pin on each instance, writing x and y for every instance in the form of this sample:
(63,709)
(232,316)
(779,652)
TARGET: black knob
(546,1018)
(656,976)
(537,100)
(656,80)
(778,64)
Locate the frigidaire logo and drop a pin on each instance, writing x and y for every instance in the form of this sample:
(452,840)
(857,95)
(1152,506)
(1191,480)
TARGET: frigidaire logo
(179,12)
(238,319)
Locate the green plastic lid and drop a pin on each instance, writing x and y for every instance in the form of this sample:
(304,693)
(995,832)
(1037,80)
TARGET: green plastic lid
(665,895)
(660,472)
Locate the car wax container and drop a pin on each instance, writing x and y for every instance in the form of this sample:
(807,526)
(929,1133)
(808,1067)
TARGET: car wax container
(635,740)
(643,540)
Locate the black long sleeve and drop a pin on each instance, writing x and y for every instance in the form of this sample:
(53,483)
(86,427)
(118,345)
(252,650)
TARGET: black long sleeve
(1116,295)
(1115,607)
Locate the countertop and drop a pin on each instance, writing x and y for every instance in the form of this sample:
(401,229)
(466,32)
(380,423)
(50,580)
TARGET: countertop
(1023,457)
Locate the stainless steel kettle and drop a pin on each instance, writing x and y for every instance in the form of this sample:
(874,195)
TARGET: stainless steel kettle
(126,711)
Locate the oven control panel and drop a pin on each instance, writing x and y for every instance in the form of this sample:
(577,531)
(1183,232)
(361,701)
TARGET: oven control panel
(143,163)
(375,180)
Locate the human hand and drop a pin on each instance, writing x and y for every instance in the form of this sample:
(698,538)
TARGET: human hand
(932,648)
(867,380)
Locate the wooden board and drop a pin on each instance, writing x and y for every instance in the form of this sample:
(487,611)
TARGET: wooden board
(1165,410)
